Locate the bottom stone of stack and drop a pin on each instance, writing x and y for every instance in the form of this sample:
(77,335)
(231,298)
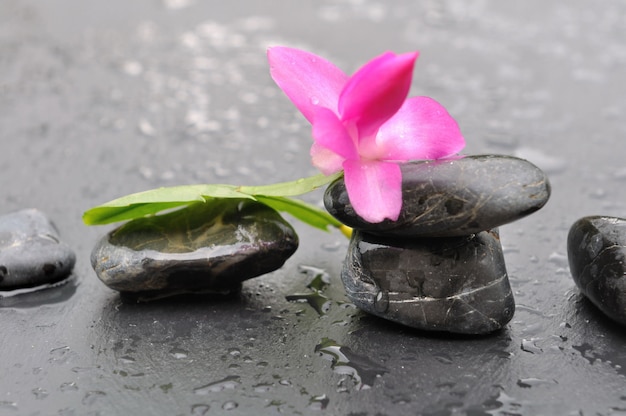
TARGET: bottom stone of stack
(457,285)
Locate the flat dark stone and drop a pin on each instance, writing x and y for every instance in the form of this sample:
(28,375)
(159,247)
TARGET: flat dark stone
(31,253)
(453,197)
(208,248)
(457,285)
(596,248)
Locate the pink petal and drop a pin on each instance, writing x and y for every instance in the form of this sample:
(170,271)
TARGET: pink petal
(327,161)
(374,189)
(376,91)
(309,81)
(329,132)
(421,129)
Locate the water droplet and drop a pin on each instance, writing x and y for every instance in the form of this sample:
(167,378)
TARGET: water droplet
(504,405)
(179,353)
(528,345)
(318,402)
(362,370)
(8,405)
(316,299)
(315,100)
(92,396)
(127,359)
(532,382)
(443,358)
(40,393)
(200,409)
(59,352)
(331,246)
(230,405)
(235,352)
(227,383)
(262,387)
(381,302)
(69,386)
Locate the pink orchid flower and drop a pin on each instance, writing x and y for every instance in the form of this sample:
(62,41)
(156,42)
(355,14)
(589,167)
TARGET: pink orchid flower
(364,124)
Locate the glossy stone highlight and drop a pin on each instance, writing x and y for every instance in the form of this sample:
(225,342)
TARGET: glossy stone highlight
(596,248)
(451,198)
(457,285)
(31,253)
(203,248)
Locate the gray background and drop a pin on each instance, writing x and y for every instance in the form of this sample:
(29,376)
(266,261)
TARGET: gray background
(101,99)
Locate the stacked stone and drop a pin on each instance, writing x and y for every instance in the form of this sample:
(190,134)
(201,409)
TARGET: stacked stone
(440,266)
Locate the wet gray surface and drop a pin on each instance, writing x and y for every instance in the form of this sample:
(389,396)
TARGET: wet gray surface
(100,99)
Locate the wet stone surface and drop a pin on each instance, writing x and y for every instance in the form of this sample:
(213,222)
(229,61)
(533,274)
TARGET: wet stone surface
(457,285)
(206,248)
(31,253)
(454,197)
(596,248)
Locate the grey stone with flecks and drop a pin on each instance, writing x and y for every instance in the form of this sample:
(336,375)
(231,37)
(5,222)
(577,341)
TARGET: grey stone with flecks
(457,285)
(454,197)
(31,252)
(205,248)
(596,248)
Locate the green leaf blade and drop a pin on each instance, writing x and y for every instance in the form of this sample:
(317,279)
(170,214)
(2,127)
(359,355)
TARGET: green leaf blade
(293,188)
(307,213)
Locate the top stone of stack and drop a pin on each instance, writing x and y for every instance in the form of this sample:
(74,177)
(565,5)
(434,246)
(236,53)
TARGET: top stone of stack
(453,197)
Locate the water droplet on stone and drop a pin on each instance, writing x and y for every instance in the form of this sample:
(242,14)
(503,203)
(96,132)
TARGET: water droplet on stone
(230,405)
(200,409)
(381,302)
(528,345)
(178,353)
(318,402)
(532,382)
(227,383)
(69,386)
(40,393)
(92,396)
(262,387)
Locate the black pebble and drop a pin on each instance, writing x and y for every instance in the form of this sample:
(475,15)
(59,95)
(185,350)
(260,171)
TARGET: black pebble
(596,249)
(31,252)
(450,198)
(457,285)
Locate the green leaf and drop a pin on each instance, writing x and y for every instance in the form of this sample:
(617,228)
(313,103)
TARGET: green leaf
(309,214)
(293,188)
(156,200)
(106,215)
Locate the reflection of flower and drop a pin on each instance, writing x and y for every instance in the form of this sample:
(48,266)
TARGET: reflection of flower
(364,124)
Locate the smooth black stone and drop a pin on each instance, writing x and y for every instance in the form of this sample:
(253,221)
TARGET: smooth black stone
(31,253)
(596,249)
(457,285)
(451,198)
(205,248)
